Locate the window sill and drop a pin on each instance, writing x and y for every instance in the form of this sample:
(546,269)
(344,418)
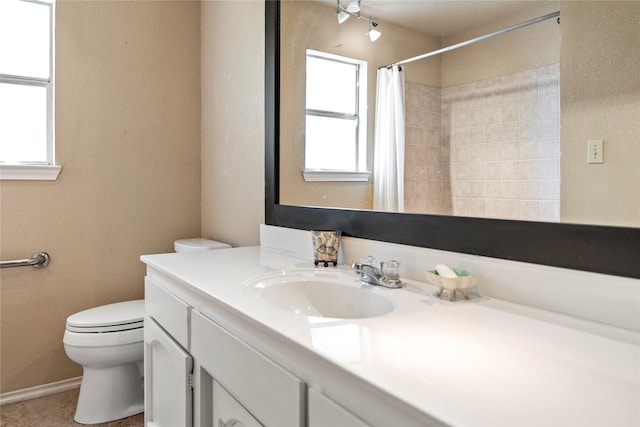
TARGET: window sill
(30,172)
(335,175)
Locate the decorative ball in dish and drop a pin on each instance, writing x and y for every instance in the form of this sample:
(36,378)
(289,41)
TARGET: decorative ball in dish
(461,282)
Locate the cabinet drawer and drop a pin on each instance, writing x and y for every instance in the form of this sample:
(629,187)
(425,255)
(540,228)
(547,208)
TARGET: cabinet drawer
(170,312)
(273,395)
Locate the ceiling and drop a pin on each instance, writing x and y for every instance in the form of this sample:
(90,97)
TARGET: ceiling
(440,17)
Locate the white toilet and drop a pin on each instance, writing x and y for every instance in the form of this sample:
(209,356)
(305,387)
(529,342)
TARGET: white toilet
(108,342)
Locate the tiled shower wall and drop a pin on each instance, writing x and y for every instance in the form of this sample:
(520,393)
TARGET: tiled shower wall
(499,147)
(426,160)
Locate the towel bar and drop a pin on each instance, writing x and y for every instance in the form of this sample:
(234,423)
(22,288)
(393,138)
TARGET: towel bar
(38,260)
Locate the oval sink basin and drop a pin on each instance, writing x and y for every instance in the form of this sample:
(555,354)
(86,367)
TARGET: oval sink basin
(321,294)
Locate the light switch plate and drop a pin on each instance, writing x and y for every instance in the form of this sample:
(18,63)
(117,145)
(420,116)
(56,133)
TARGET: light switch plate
(595,151)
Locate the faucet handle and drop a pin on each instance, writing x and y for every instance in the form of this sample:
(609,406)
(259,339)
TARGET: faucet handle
(370,261)
(391,274)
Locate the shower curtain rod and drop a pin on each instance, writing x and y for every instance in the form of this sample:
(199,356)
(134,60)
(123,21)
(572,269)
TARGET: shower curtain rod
(477,39)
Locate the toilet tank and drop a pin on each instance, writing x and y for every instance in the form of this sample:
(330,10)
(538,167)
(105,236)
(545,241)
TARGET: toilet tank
(197,244)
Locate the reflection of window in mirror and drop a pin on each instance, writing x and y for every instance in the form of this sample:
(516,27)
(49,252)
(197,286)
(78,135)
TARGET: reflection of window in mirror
(336,129)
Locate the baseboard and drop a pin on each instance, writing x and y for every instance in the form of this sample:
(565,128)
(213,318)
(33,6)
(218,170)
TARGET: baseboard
(39,391)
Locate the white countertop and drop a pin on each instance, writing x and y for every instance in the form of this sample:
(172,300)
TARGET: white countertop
(478,362)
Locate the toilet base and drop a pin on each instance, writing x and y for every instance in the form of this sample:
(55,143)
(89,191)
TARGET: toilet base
(111,393)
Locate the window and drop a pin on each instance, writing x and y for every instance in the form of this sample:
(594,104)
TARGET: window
(26,90)
(336,124)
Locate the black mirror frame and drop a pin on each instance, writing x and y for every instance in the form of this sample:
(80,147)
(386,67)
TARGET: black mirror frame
(600,249)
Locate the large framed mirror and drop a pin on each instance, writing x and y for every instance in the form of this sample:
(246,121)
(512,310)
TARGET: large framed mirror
(597,248)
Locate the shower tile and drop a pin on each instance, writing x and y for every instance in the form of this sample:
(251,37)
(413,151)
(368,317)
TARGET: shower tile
(549,148)
(548,85)
(493,208)
(461,154)
(460,188)
(493,170)
(433,189)
(529,190)
(493,189)
(549,169)
(549,211)
(509,170)
(549,106)
(461,136)
(549,127)
(476,134)
(510,209)
(493,114)
(476,171)
(493,132)
(510,189)
(432,155)
(433,120)
(461,118)
(509,112)
(477,207)
(476,117)
(433,138)
(461,171)
(477,189)
(528,150)
(529,210)
(550,189)
(528,109)
(528,129)
(509,151)
(510,131)
(493,151)
(476,152)
(461,206)
(415,136)
(528,169)
(529,88)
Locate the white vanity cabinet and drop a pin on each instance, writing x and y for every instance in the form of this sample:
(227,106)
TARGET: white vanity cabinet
(268,392)
(167,363)
(198,374)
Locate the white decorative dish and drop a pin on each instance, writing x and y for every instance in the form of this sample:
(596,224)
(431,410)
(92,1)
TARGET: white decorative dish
(462,283)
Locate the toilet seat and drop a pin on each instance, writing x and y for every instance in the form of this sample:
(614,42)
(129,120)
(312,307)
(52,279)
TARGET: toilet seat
(121,316)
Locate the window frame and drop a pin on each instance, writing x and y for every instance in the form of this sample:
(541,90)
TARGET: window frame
(360,172)
(34,170)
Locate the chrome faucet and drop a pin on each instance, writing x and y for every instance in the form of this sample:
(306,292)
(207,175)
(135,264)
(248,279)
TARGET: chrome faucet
(379,274)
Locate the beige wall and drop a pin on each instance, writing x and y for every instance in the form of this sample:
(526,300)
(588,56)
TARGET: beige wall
(128,140)
(310,25)
(523,49)
(233,120)
(600,99)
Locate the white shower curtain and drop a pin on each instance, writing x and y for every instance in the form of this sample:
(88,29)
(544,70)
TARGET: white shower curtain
(388,172)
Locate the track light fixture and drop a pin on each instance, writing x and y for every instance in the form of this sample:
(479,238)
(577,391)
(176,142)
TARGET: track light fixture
(353,9)
(342,16)
(373,33)
(353,6)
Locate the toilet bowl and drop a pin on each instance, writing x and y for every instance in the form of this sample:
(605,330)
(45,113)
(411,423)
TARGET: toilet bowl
(108,341)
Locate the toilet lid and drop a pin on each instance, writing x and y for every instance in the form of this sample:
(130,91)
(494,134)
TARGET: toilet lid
(197,244)
(108,318)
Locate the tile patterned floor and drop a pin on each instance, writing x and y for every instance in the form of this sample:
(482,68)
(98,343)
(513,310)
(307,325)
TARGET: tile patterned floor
(54,411)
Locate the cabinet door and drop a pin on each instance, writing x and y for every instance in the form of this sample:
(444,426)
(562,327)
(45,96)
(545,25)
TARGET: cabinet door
(324,412)
(227,412)
(167,370)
